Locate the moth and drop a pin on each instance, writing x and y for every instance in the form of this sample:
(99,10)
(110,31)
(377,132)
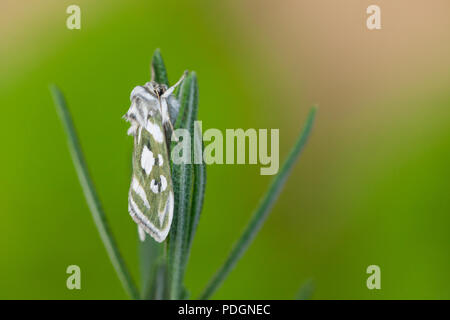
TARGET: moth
(150,198)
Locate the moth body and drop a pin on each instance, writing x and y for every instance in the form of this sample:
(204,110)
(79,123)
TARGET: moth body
(151,198)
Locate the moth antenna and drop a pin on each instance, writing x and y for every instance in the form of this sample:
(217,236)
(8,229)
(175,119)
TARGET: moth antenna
(141,233)
(152,72)
(170,125)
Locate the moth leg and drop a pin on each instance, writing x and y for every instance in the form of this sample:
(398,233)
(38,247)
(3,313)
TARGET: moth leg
(172,133)
(141,233)
(170,125)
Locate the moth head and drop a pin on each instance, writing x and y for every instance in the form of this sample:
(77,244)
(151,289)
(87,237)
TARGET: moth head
(156,88)
(142,102)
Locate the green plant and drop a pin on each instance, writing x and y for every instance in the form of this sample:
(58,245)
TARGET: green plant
(162,266)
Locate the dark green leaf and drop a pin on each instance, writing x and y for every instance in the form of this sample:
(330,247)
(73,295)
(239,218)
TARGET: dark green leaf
(151,254)
(91,195)
(159,73)
(182,185)
(262,212)
(198,196)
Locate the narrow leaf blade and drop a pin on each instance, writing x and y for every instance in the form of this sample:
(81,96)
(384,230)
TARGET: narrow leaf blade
(151,254)
(182,185)
(91,195)
(159,72)
(198,195)
(262,212)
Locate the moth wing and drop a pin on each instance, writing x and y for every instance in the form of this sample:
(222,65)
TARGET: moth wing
(143,104)
(174,108)
(151,198)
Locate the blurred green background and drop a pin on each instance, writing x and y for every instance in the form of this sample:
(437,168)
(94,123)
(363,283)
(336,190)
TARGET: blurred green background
(372,186)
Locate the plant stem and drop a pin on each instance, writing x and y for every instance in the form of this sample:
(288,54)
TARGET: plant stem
(306,291)
(91,195)
(262,212)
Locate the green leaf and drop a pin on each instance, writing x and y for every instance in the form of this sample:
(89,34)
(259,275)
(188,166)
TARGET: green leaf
(159,70)
(151,254)
(306,291)
(159,290)
(182,185)
(262,212)
(91,195)
(185,294)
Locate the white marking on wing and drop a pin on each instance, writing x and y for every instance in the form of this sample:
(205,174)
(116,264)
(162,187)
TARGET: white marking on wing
(154,186)
(140,192)
(140,91)
(163,183)
(142,220)
(165,111)
(132,130)
(155,131)
(168,209)
(134,208)
(135,114)
(147,160)
(140,135)
(160,160)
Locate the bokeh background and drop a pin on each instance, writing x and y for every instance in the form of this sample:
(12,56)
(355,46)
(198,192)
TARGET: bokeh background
(372,186)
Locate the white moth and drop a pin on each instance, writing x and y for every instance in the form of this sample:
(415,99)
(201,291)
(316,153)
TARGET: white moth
(151,198)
